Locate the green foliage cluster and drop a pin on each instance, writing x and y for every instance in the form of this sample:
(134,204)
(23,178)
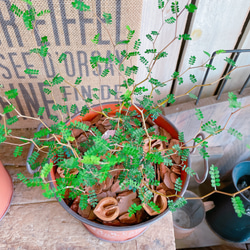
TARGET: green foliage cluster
(102,156)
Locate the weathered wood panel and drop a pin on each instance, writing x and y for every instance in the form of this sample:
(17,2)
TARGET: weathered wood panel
(216,25)
(151,21)
(238,77)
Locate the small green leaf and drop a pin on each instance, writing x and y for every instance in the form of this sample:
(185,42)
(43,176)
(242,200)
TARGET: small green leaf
(233,101)
(137,44)
(108,18)
(180,80)
(12,120)
(175,205)
(78,80)
(41,111)
(230,61)
(161,4)
(210,67)
(192,78)
(235,133)
(133,208)
(43,12)
(79,5)
(83,201)
(175,74)
(28,2)
(31,71)
(193,96)
(199,114)
(171,98)
(73,108)
(143,60)
(178,184)
(220,51)
(192,60)
(105,73)
(16,10)
(46,169)
(44,39)
(148,51)
(157,91)
(206,53)
(112,92)
(185,37)
(170,20)
(215,176)
(191,8)
(96,96)
(149,37)
(62,57)
(8,109)
(175,7)
(18,151)
(238,206)
(95,40)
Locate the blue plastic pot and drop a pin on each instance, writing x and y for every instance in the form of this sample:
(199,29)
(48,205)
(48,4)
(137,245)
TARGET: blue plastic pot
(222,218)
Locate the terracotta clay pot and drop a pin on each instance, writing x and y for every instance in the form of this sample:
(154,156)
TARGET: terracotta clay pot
(6,191)
(123,233)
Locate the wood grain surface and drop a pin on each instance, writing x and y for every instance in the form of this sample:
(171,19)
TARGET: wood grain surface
(34,222)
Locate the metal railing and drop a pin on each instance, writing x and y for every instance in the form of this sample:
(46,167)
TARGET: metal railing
(229,67)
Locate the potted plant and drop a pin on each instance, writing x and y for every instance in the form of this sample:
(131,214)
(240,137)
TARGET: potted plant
(116,167)
(6,191)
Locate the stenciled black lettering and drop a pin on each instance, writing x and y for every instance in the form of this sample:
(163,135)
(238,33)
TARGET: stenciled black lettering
(119,56)
(105,94)
(99,25)
(70,60)
(86,93)
(28,66)
(15,66)
(82,22)
(76,95)
(83,62)
(110,64)
(46,101)
(53,22)
(7,70)
(51,72)
(10,23)
(36,31)
(31,100)
(65,22)
(118,21)
(99,69)
(65,94)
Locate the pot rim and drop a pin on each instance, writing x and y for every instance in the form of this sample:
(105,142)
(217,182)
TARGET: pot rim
(235,169)
(121,228)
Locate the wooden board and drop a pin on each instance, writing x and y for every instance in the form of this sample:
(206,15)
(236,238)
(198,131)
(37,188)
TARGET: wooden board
(34,222)
(216,25)
(165,67)
(239,77)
